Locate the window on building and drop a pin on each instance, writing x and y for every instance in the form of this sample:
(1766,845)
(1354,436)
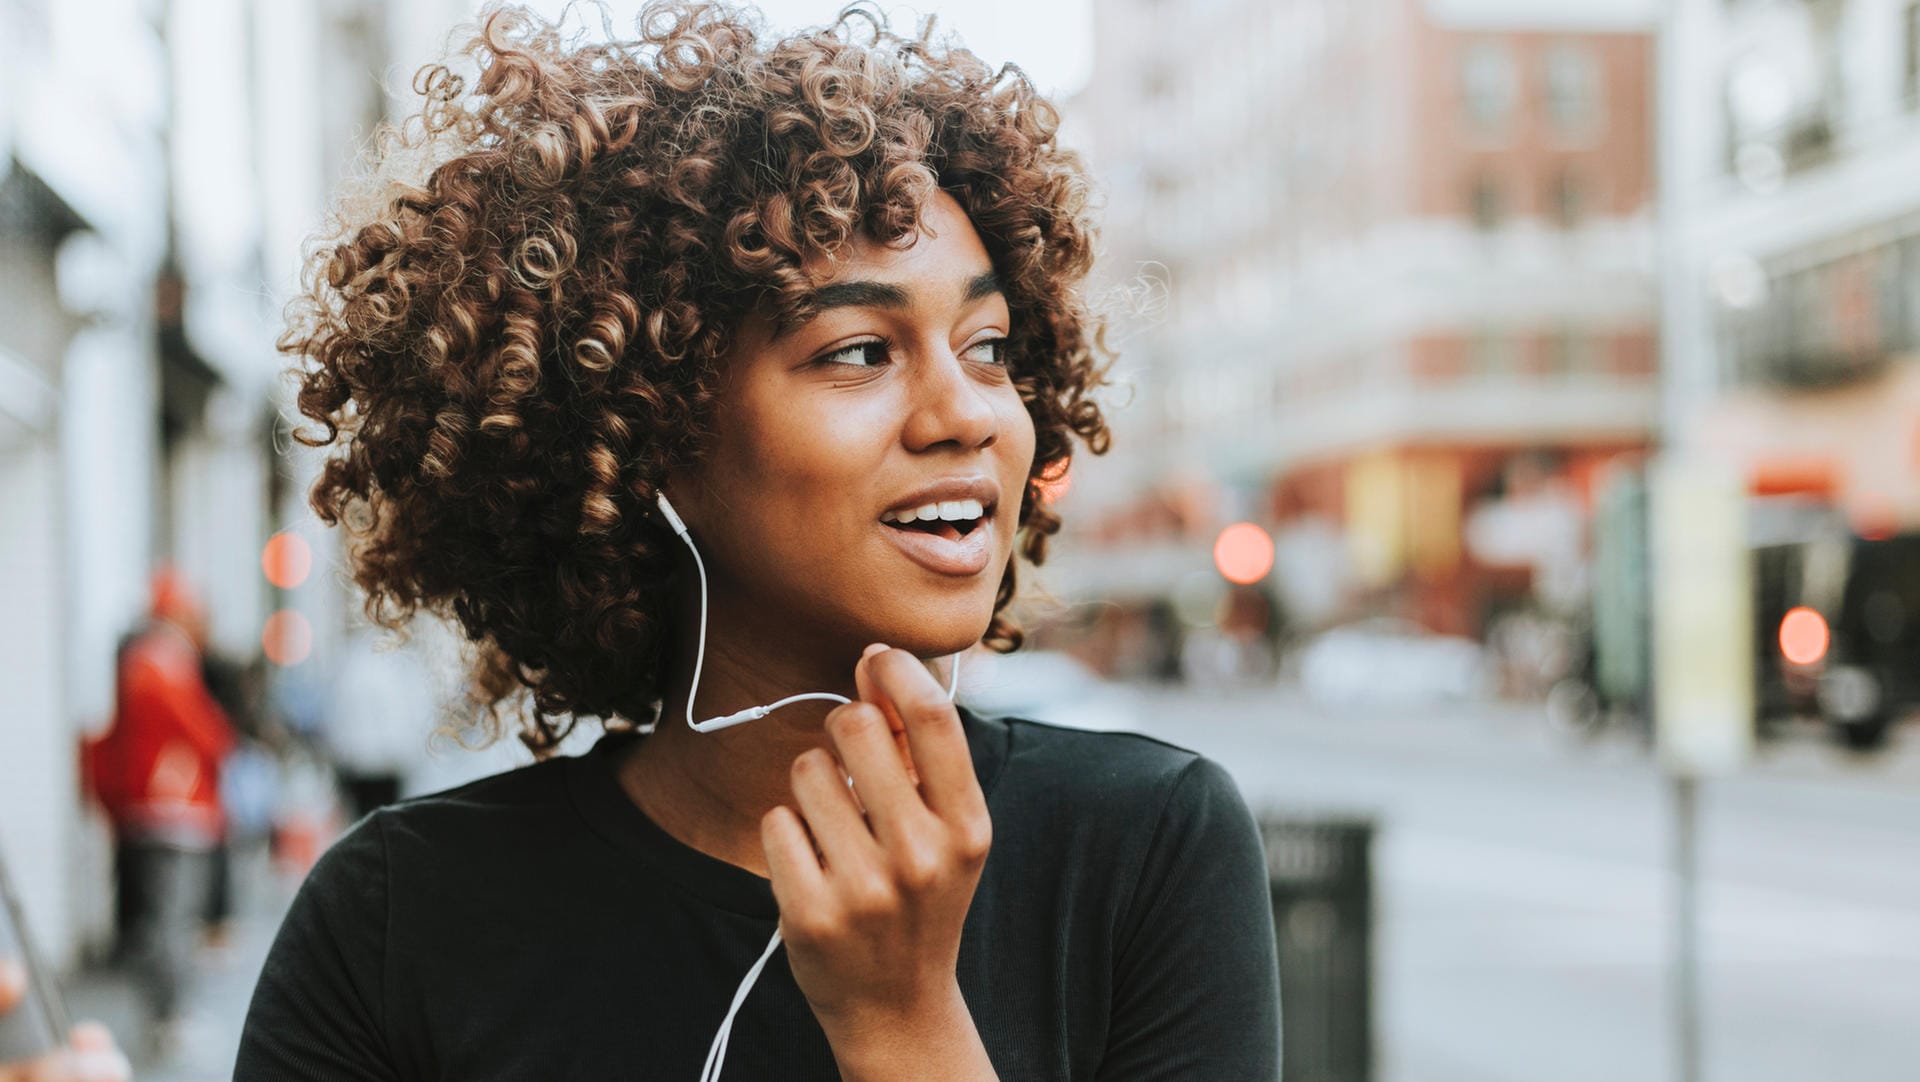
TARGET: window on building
(1156,83)
(1567,198)
(1485,202)
(1493,352)
(1572,78)
(1489,86)
(1572,351)
(1910,33)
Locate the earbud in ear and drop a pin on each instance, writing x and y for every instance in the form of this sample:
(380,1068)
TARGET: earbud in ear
(673,519)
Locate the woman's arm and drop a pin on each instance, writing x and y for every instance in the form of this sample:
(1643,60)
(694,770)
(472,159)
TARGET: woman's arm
(317,1011)
(1196,976)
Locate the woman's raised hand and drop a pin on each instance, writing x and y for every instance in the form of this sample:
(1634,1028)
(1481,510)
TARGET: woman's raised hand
(874,883)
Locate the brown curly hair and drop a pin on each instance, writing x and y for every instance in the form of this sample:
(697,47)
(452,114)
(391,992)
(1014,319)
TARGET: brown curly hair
(509,355)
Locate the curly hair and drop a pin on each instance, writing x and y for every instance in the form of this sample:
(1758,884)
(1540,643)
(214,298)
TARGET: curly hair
(514,332)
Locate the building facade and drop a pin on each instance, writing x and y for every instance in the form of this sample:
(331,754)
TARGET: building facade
(160,164)
(1405,250)
(1797,128)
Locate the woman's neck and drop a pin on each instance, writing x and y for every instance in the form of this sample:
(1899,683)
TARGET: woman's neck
(709,790)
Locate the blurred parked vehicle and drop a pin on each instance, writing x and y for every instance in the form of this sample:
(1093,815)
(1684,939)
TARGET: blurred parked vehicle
(1047,686)
(1838,622)
(1393,662)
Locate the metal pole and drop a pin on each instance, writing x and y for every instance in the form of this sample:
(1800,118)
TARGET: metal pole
(1686,911)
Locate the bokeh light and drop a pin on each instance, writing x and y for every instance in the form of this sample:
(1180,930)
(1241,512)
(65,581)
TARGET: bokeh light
(287,559)
(1055,479)
(1243,553)
(1803,636)
(288,638)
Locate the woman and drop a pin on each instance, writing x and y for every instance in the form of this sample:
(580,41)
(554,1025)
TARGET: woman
(821,294)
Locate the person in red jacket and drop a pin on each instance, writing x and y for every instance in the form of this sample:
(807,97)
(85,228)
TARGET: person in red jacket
(157,773)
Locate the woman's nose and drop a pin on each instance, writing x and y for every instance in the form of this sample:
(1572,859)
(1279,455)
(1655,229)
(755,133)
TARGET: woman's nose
(949,405)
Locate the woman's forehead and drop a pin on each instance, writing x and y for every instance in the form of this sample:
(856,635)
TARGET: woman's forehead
(945,248)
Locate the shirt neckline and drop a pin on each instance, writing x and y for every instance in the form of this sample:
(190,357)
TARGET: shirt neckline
(613,815)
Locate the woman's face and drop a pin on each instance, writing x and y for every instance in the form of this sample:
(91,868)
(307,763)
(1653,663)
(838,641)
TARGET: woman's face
(893,399)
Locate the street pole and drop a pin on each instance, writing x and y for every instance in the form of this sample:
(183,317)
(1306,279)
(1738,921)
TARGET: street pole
(1702,598)
(1686,928)
(1703,689)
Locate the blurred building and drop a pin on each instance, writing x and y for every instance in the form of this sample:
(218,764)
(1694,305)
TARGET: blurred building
(1405,254)
(1795,144)
(82,239)
(160,164)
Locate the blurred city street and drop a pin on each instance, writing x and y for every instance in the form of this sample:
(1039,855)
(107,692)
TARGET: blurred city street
(210,1029)
(1514,409)
(1523,896)
(1523,891)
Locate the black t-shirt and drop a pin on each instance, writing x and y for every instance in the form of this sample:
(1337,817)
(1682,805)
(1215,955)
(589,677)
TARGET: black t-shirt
(537,925)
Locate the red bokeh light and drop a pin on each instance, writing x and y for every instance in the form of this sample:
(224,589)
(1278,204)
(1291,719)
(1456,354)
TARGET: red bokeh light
(1803,636)
(1243,553)
(287,559)
(1055,479)
(287,638)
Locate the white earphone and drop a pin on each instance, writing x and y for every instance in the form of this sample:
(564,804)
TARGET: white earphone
(752,713)
(717,1053)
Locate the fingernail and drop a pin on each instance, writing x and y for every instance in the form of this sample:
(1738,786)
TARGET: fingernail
(872,649)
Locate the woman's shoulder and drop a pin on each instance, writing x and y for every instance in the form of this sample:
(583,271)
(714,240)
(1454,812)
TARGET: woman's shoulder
(1097,767)
(477,817)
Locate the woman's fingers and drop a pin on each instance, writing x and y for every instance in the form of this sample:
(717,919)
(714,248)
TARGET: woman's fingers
(938,742)
(797,879)
(870,692)
(864,743)
(830,813)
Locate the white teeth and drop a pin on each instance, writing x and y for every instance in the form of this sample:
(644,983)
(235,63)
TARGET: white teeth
(950,510)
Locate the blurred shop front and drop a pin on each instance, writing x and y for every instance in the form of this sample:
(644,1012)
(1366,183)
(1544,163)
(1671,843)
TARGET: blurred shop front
(1825,398)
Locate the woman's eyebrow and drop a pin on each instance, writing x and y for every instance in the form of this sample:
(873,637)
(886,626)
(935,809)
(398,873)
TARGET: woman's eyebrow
(857,295)
(984,284)
(869,294)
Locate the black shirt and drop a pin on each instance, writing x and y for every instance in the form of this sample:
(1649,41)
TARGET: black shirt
(537,925)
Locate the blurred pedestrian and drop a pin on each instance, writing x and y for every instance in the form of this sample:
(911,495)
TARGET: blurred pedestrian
(157,773)
(382,713)
(235,688)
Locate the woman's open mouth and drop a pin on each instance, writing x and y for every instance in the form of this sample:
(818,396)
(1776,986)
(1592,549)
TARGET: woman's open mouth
(949,538)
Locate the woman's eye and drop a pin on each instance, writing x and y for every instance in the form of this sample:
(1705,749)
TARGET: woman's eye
(858,355)
(989,350)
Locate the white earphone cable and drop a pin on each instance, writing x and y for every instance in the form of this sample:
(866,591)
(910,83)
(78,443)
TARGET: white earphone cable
(717,1053)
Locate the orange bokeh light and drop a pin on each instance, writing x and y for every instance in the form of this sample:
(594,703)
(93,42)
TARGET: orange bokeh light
(287,638)
(1243,553)
(1803,636)
(287,559)
(1055,479)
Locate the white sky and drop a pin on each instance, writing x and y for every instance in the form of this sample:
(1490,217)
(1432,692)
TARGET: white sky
(1550,14)
(1052,40)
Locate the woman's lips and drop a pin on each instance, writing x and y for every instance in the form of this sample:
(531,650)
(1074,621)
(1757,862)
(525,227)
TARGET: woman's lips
(959,557)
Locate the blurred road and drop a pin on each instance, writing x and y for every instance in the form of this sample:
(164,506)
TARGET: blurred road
(1523,899)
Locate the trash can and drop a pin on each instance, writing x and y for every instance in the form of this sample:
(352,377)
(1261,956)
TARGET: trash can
(1319,872)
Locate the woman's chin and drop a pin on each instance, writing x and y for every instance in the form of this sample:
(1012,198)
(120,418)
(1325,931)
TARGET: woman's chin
(947,630)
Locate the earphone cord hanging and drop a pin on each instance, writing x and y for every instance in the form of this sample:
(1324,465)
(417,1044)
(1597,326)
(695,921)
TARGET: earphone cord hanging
(717,1053)
(753,713)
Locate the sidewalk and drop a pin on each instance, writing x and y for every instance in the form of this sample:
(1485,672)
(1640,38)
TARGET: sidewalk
(217,1003)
